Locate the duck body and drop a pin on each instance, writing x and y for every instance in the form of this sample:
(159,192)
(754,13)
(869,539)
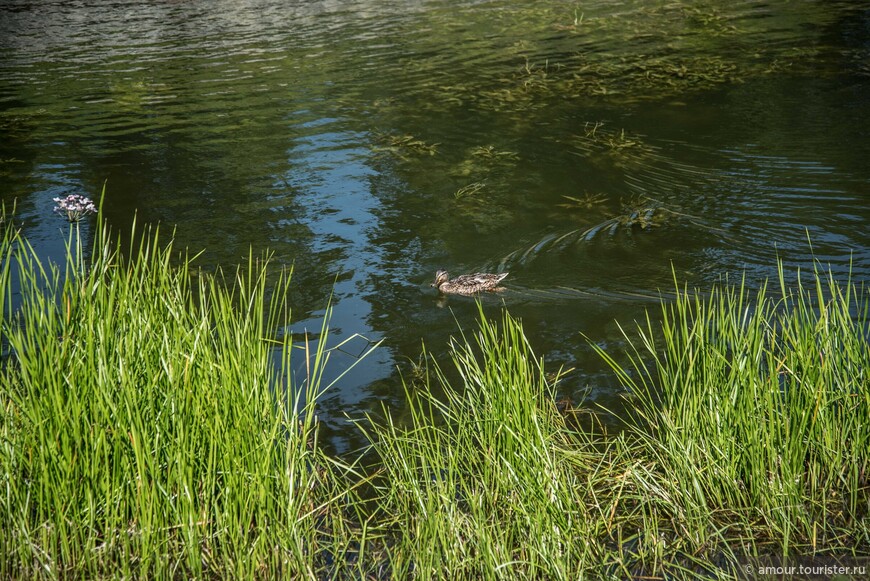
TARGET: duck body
(468,284)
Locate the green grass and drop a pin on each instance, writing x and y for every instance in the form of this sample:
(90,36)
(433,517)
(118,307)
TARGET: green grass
(755,412)
(489,482)
(149,428)
(145,427)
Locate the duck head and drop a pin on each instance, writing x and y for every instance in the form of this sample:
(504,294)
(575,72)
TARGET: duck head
(440,278)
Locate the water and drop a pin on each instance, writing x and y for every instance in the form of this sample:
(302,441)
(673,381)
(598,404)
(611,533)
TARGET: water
(591,149)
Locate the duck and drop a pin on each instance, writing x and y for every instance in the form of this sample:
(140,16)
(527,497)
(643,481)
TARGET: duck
(468,284)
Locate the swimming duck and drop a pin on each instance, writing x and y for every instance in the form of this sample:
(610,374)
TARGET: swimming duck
(468,284)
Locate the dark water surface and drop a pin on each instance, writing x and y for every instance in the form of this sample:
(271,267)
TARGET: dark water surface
(586,147)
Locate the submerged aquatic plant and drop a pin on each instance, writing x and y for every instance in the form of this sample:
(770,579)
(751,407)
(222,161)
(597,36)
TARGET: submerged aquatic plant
(639,214)
(642,213)
(485,161)
(469,190)
(403,145)
(74,207)
(489,152)
(605,146)
(587,201)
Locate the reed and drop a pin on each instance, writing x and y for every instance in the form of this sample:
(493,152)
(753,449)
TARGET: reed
(148,425)
(485,480)
(756,414)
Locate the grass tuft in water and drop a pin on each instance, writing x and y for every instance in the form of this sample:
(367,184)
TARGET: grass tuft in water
(756,414)
(148,427)
(486,480)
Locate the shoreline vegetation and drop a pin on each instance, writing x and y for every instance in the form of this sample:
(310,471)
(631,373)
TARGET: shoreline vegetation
(149,428)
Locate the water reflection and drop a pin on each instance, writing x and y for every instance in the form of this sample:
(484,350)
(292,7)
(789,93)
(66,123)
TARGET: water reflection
(331,185)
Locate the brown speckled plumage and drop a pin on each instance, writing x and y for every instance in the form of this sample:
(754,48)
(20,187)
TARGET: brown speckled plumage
(468,284)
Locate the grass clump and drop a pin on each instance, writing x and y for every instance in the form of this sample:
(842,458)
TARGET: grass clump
(487,481)
(756,414)
(749,439)
(147,425)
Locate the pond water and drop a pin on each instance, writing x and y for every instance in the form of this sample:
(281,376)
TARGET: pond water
(591,149)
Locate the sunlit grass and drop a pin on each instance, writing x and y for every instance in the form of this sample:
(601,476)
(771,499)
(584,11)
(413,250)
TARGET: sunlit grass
(488,481)
(148,428)
(742,445)
(755,411)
